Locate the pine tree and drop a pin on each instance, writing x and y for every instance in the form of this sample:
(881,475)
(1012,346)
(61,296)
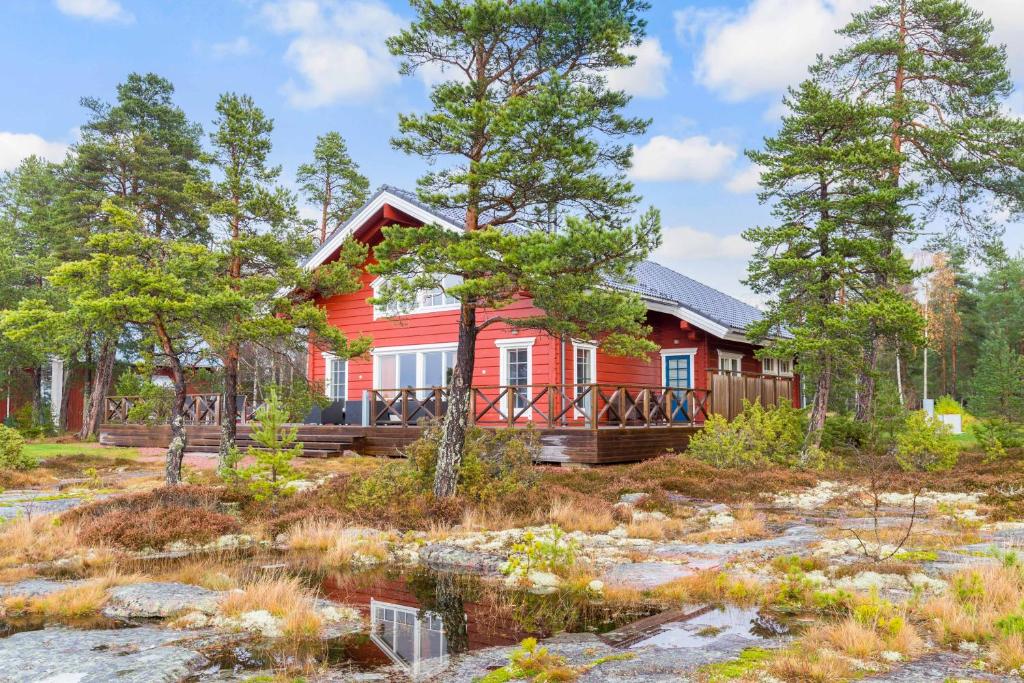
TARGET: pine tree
(997,388)
(142,154)
(932,65)
(818,263)
(262,242)
(333,182)
(531,133)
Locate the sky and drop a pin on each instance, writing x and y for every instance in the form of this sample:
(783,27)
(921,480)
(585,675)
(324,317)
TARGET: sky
(710,75)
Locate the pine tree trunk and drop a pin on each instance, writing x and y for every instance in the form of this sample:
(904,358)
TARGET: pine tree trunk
(866,379)
(102,377)
(453,435)
(179,438)
(229,411)
(819,409)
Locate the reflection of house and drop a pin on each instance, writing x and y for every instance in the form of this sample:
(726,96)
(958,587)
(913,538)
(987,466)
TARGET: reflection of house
(410,637)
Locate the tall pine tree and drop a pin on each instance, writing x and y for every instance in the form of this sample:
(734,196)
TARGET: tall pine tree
(530,135)
(818,264)
(333,182)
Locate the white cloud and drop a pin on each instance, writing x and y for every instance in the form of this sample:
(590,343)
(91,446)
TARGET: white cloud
(766,46)
(683,243)
(745,181)
(96,10)
(16,146)
(1007,27)
(338,50)
(646,77)
(239,47)
(692,158)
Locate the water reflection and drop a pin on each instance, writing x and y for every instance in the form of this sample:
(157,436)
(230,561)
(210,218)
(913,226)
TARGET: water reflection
(410,637)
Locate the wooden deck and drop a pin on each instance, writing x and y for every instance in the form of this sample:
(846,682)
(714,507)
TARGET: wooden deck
(567,445)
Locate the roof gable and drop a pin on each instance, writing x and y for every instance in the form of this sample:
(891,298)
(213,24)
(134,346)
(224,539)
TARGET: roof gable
(663,287)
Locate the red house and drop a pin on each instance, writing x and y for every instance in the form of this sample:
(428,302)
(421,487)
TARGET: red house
(591,406)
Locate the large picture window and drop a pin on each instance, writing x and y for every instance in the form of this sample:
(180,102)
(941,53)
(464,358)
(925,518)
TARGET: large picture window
(420,367)
(427,301)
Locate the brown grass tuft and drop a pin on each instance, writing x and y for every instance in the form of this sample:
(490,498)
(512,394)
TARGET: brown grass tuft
(589,516)
(284,597)
(337,545)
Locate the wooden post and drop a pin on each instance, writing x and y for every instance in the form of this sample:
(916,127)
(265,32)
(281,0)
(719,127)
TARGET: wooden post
(437,402)
(622,406)
(594,410)
(647,407)
(510,397)
(551,405)
(471,418)
(405,407)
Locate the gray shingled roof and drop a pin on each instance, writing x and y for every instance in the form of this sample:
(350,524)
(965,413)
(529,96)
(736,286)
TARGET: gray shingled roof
(652,280)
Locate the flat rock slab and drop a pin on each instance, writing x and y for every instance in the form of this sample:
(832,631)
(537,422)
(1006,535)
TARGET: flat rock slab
(131,655)
(647,665)
(34,588)
(15,504)
(939,666)
(648,574)
(160,600)
(793,539)
(446,557)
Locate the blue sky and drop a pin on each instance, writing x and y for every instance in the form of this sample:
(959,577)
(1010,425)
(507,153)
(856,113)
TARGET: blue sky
(711,76)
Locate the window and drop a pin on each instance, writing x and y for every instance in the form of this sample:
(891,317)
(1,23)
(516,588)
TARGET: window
(335,377)
(411,637)
(420,367)
(730,362)
(586,373)
(777,366)
(427,301)
(516,368)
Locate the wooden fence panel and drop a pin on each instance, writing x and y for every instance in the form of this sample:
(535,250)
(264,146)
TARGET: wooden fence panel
(730,389)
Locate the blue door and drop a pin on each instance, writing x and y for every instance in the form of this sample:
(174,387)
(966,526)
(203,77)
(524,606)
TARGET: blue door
(679,375)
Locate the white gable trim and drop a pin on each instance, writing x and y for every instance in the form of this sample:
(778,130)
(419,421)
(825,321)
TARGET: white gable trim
(335,241)
(691,317)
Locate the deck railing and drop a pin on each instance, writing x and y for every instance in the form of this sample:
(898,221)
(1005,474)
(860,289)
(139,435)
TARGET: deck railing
(200,409)
(586,406)
(732,388)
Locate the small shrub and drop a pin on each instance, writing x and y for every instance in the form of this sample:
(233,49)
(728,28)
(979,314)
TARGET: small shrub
(925,444)
(995,435)
(843,433)
(270,475)
(756,437)
(12,451)
(550,552)
(152,402)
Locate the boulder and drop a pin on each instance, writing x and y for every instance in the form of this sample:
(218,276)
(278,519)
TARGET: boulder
(160,600)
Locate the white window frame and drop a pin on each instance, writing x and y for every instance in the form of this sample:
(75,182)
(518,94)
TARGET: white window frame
(421,619)
(418,349)
(504,346)
(730,355)
(576,348)
(418,309)
(691,352)
(329,359)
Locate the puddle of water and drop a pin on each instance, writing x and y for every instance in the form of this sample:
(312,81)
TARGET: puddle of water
(704,626)
(18,624)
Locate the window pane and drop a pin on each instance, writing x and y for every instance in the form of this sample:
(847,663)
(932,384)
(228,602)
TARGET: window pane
(584,366)
(406,370)
(433,370)
(338,379)
(388,372)
(449,366)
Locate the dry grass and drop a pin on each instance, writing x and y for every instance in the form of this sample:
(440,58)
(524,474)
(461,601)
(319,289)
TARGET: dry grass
(1007,652)
(977,598)
(849,637)
(71,603)
(656,529)
(712,586)
(592,517)
(42,538)
(811,667)
(285,598)
(749,526)
(487,519)
(337,544)
(205,572)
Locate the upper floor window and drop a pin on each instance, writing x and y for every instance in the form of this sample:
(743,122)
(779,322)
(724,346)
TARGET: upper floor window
(730,362)
(427,301)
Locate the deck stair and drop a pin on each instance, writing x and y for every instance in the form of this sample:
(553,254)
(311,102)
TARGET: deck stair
(317,443)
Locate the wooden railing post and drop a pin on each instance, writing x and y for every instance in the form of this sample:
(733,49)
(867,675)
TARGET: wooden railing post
(471,419)
(595,410)
(647,407)
(510,397)
(438,412)
(405,407)
(551,405)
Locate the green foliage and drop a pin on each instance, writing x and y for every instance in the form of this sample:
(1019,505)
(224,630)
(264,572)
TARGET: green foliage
(1011,625)
(299,396)
(926,444)
(995,435)
(271,473)
(333,182)
(756,437)
(843,433)
(12,451)
(153,403)
(997,388)
(531,662)
(33,422)
(748,661)
(548,551)
(496,463)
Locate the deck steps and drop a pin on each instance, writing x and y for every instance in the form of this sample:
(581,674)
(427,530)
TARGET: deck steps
(316,443)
